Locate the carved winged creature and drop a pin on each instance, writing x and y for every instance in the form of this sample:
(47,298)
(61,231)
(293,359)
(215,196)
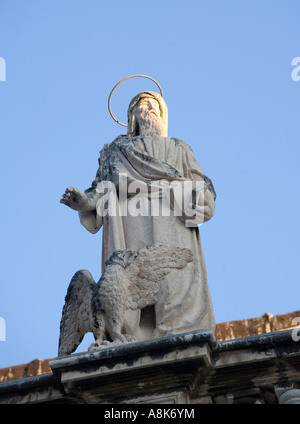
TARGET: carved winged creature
(130,282)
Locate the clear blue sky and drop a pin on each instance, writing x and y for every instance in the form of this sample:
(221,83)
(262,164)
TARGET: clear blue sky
(225,69)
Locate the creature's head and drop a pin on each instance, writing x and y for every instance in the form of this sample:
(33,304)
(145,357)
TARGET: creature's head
(121,257)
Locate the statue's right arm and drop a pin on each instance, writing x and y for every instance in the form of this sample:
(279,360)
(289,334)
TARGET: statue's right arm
(86,205)
(91,221)
(80,201)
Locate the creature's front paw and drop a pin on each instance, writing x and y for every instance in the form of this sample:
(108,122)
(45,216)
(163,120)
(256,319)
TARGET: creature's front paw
(125,338)
(93,346)
(99,345)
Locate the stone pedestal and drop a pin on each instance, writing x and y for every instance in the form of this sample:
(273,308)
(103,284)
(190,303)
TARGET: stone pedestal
(155,371)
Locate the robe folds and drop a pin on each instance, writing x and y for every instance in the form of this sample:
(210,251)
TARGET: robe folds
(156,163)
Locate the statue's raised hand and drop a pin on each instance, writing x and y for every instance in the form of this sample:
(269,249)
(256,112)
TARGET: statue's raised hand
(75,199)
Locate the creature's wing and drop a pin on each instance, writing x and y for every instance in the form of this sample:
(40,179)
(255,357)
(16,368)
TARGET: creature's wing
(77,316)
(148,268)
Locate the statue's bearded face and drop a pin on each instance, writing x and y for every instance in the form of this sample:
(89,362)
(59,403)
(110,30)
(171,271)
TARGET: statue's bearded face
(147,112)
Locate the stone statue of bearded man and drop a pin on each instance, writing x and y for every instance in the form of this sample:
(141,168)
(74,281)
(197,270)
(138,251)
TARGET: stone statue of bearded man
(145,174)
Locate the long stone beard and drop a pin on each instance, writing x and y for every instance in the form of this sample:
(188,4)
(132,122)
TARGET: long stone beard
(150,126)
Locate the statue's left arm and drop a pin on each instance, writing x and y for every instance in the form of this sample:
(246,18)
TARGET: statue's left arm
(202,205)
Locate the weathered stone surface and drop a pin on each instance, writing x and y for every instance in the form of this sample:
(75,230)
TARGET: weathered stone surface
(224,331)
(188,368)
(33,368)
(250,327)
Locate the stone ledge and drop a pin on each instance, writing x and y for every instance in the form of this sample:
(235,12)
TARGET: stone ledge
(94,371)
(183,368)
(27,383)
(160,346)
(274,339)
(225,331)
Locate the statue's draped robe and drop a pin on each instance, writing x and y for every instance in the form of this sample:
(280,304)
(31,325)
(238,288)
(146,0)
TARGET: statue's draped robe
(184,302)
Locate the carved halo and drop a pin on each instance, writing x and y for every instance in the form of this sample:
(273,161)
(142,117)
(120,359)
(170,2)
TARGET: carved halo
(124,79)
